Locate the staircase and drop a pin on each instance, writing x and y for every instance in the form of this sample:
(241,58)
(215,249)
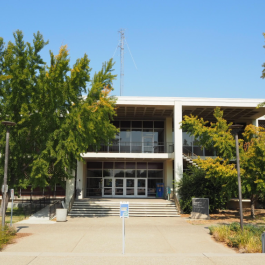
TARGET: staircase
(189,160)
(137,208)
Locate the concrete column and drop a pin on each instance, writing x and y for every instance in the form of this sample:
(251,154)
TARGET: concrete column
(255,122)
(168,130)
(70,189)
(178,162)
(168,175)
(80,181)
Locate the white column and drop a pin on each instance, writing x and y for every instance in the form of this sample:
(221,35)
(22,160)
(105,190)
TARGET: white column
(70,189)
(80,182)
(255,122)
(178,162)
(168,175)
(168,129)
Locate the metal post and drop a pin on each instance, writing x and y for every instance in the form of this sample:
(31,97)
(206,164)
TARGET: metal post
(239,183)
(12,211)
(263,242)
(123,234)
(5,179)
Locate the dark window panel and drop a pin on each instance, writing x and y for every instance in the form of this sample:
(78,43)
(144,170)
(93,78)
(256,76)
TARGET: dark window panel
(94,165)
(159,124)
(154,165)
(155,174)
(141,165)
(130,165)
(148,124)
(94,173)
(125,124)
(116,124)
(108,165)
(119,165)
(137,124)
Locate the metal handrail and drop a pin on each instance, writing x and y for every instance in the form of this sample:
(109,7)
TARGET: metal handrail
(134,147)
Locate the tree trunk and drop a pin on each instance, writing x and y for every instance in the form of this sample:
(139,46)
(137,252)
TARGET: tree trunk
(6,203)
(253,201)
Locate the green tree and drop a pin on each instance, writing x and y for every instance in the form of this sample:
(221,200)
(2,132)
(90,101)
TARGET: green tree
(252,152)
(55,122)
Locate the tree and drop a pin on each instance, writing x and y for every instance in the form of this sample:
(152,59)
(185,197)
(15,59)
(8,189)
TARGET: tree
(252,152)
(55,123)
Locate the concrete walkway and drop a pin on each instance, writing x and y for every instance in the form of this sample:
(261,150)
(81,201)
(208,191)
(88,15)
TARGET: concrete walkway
(99,241)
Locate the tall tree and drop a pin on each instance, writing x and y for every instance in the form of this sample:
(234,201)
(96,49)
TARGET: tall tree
(55,122)
(252,154)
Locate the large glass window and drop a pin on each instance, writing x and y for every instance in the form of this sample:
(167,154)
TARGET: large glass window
(128,175)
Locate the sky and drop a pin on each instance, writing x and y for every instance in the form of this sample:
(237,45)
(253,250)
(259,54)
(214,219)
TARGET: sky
(182,48)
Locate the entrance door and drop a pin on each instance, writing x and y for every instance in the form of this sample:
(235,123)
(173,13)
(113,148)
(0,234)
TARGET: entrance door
(107,187)
(148,144)
(119,187)
(141,188)
(130,187)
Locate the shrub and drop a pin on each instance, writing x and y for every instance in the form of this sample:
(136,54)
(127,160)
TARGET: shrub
(248,241)
(6,235)
(194,184)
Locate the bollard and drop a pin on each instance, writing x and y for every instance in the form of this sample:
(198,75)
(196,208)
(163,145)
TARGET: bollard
(263,242)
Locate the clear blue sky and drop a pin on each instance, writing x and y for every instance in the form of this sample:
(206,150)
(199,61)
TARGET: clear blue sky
(183,48)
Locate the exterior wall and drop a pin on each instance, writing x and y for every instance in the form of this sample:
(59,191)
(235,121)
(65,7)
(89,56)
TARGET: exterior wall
(80,180)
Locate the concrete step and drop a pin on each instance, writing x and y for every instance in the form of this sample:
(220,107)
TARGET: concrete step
(86,208)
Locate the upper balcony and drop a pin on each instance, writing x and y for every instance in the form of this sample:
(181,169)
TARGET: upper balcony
(134,147)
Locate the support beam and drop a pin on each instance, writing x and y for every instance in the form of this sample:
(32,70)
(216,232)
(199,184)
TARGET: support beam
(80,182)
(178,162)
(70,189)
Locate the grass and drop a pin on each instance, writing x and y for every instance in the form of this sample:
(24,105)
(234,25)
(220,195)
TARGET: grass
(18,215)
(248,241)
(6,235)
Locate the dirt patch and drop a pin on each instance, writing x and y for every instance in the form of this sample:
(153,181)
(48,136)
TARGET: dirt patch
(230,216)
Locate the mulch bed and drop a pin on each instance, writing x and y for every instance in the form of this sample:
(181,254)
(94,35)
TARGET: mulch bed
(230,216)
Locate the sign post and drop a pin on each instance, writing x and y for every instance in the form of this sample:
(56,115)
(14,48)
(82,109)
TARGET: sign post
(12,198)
(124,213)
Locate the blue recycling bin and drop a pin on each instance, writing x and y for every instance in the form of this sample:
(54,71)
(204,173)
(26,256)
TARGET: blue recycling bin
(159,190)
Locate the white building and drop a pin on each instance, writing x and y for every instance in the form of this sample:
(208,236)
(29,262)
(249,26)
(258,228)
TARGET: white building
(151,148)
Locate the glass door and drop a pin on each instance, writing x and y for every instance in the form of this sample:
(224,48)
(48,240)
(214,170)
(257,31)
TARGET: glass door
(130,187)
(148,144)
(118,190)
(141,188)
(107,187)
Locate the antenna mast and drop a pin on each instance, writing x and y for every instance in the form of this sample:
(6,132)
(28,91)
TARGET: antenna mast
(122,60)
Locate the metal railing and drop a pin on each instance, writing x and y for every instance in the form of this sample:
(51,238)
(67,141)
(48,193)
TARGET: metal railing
(53,207)
(33,206)
(134,147)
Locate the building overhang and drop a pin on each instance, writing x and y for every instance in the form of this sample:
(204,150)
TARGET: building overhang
(162,107)
(130,156)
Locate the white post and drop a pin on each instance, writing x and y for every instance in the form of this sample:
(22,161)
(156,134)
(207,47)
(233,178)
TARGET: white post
(80,180)
(178,162)
(123,234)
(70,189)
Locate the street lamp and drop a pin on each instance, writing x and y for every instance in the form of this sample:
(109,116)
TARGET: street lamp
(236,128)
(4,189)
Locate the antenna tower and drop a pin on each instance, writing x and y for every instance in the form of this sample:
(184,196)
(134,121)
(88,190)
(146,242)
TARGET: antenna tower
(122,60)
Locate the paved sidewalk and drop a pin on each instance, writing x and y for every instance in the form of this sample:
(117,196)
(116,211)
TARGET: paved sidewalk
(99,241)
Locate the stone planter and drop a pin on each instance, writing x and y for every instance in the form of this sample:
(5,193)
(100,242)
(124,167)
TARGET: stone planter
(61,215)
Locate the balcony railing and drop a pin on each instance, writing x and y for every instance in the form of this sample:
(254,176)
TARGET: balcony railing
(134,147)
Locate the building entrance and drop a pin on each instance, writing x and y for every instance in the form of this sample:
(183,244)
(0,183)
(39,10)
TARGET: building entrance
(127,187)
(123,179)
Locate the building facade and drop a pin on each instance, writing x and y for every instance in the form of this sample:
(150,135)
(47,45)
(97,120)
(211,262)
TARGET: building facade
(151,147)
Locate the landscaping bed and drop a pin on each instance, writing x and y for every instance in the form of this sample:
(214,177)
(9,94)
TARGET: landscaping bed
(246,241)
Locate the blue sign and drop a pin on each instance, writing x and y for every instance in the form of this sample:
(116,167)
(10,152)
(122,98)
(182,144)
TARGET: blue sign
(124,209)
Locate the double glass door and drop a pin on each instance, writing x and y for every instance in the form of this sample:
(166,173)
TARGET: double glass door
(124,187)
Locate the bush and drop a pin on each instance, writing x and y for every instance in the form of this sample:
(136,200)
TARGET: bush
(248,241)
(194,184)
(6,235)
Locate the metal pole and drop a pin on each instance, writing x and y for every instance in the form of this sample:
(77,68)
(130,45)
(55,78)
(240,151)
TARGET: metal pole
(123,234)
(5,179)
(12,205)
(263,242)
(239,183)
